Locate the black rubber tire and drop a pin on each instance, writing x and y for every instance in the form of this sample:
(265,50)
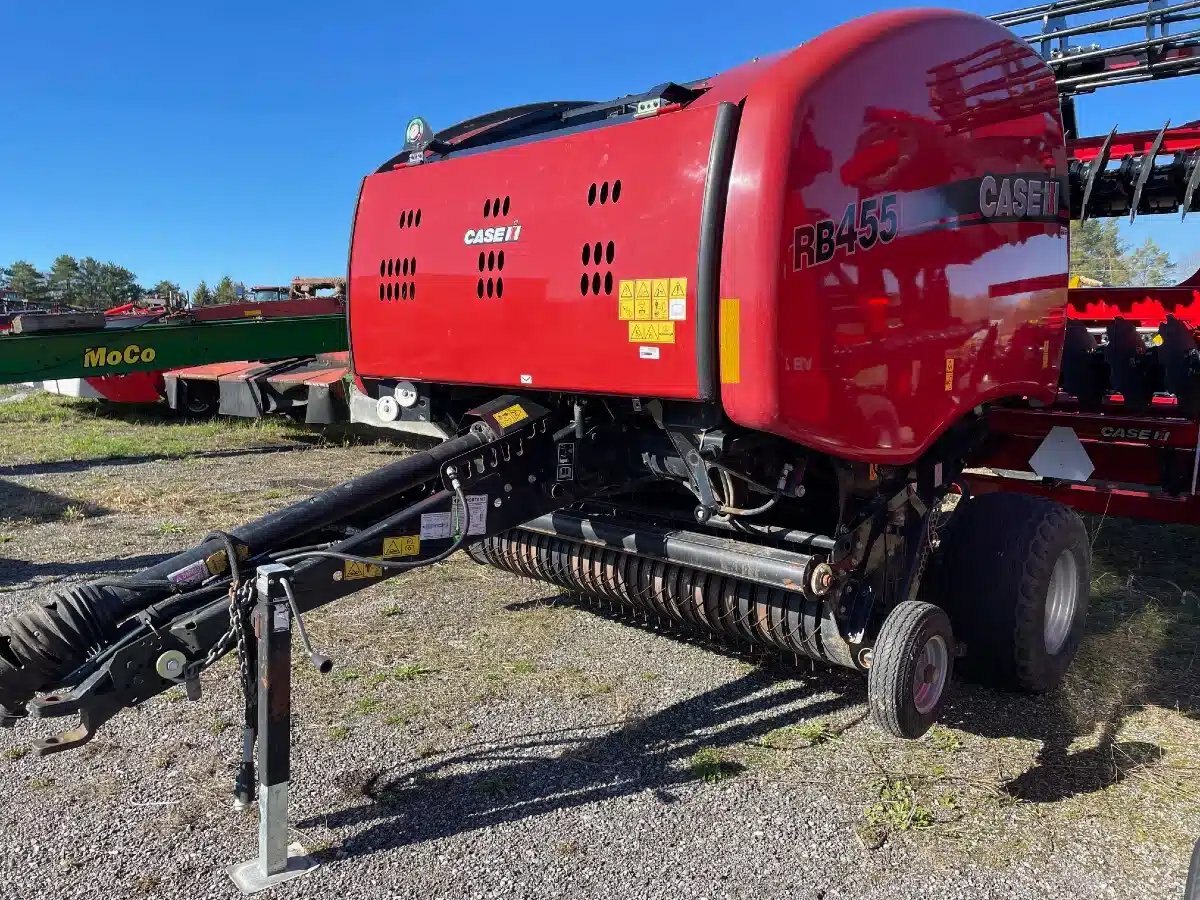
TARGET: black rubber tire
(898,647)
(201,400)
(999,556)
(1191,889)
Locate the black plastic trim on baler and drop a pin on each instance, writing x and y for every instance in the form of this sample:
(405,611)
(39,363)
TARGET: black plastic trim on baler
(712,233)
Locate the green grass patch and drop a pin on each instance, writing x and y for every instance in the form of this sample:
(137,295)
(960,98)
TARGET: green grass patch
(711,765)
(793,737)
(942,738)
(98,431)
(898,809)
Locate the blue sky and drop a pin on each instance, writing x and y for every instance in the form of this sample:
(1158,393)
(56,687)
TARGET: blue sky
(187,141)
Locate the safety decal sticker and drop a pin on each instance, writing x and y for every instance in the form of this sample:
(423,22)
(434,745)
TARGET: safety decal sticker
(357,571)
(405,545)
(651,332)
(652,306)
(511,415)
(950,373)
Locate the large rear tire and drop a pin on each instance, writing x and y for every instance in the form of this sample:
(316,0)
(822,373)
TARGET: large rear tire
(911,665)
(1017,571)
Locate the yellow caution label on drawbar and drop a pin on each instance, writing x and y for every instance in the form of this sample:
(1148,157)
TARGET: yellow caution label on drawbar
(511,415)
(405,545)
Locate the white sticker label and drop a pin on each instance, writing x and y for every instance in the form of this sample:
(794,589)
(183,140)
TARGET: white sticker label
(283,622)
(677,310)
(190,574)
(526,379)
(648,352)
(437,526)
(477,505)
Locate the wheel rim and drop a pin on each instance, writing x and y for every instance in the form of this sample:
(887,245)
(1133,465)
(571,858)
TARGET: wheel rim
(930,676)
(1062,597)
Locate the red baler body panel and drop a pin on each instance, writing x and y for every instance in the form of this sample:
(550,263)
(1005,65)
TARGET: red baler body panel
(556,323)
(871,354)
(909,134)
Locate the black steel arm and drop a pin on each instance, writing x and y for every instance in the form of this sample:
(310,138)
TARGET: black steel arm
(506,470)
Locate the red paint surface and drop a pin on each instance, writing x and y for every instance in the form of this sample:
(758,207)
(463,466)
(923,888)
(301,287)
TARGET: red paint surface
(850,357)
(543,333)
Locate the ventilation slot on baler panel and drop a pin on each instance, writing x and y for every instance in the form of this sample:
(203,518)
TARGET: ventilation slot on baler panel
(601,253)
(490,262)
(390,273)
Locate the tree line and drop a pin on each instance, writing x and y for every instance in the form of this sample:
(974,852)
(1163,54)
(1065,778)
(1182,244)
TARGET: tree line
(88,283)
(1098,251)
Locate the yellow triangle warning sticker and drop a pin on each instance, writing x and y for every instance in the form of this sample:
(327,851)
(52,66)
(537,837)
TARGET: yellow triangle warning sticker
(643,289)
(626,290)
(678,288)
(407,545)
(660,288)
(651,332)
(356,571)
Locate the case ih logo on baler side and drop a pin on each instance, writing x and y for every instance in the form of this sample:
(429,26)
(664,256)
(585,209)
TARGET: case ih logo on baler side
(502,234)
(1018,198)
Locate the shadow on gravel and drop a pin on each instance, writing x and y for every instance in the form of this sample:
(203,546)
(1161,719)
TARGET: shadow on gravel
(19,503)
(1140,651)
(18,571)
(70,466)
(487,785)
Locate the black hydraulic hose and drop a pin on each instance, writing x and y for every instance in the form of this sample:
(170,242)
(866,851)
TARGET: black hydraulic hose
(375,489)
(54,637)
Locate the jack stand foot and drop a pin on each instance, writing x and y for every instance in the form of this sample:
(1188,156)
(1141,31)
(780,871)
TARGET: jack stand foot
(251,878)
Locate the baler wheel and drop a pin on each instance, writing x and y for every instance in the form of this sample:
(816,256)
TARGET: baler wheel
(202,399)
(911,665)
(1018,571)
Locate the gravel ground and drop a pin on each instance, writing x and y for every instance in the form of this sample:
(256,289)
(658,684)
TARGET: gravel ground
(484,737)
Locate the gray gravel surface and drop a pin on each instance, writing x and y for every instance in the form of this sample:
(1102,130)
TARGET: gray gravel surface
(483,737)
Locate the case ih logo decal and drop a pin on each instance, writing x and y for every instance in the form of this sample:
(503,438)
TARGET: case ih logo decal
(1018,198)
(864,224)
(1148,435)
(503,234)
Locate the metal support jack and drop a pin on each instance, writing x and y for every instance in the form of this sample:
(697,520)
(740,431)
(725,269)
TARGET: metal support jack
(276,861)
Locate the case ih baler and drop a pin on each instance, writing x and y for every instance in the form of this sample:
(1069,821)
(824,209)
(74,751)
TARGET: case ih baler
(719,352)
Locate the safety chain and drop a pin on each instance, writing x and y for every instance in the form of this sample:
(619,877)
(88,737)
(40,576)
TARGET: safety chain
(931,539)
(240,600)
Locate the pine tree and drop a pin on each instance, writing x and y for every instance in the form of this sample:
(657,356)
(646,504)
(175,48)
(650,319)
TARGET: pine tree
(202,296)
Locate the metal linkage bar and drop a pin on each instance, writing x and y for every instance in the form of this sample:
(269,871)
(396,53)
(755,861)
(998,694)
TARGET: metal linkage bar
(1083,68)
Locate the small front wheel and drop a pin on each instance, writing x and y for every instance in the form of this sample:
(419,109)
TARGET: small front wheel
(911,665)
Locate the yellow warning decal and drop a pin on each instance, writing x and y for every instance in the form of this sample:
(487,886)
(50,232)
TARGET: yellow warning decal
(626,290)
(216,562)
(1046,354)
(624,309)
(643,288)
(658,293)
(730,339)
(406,545)
(511,415)
(950,373)
(678,289)
(357,571)
(651,332)
(252,313)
